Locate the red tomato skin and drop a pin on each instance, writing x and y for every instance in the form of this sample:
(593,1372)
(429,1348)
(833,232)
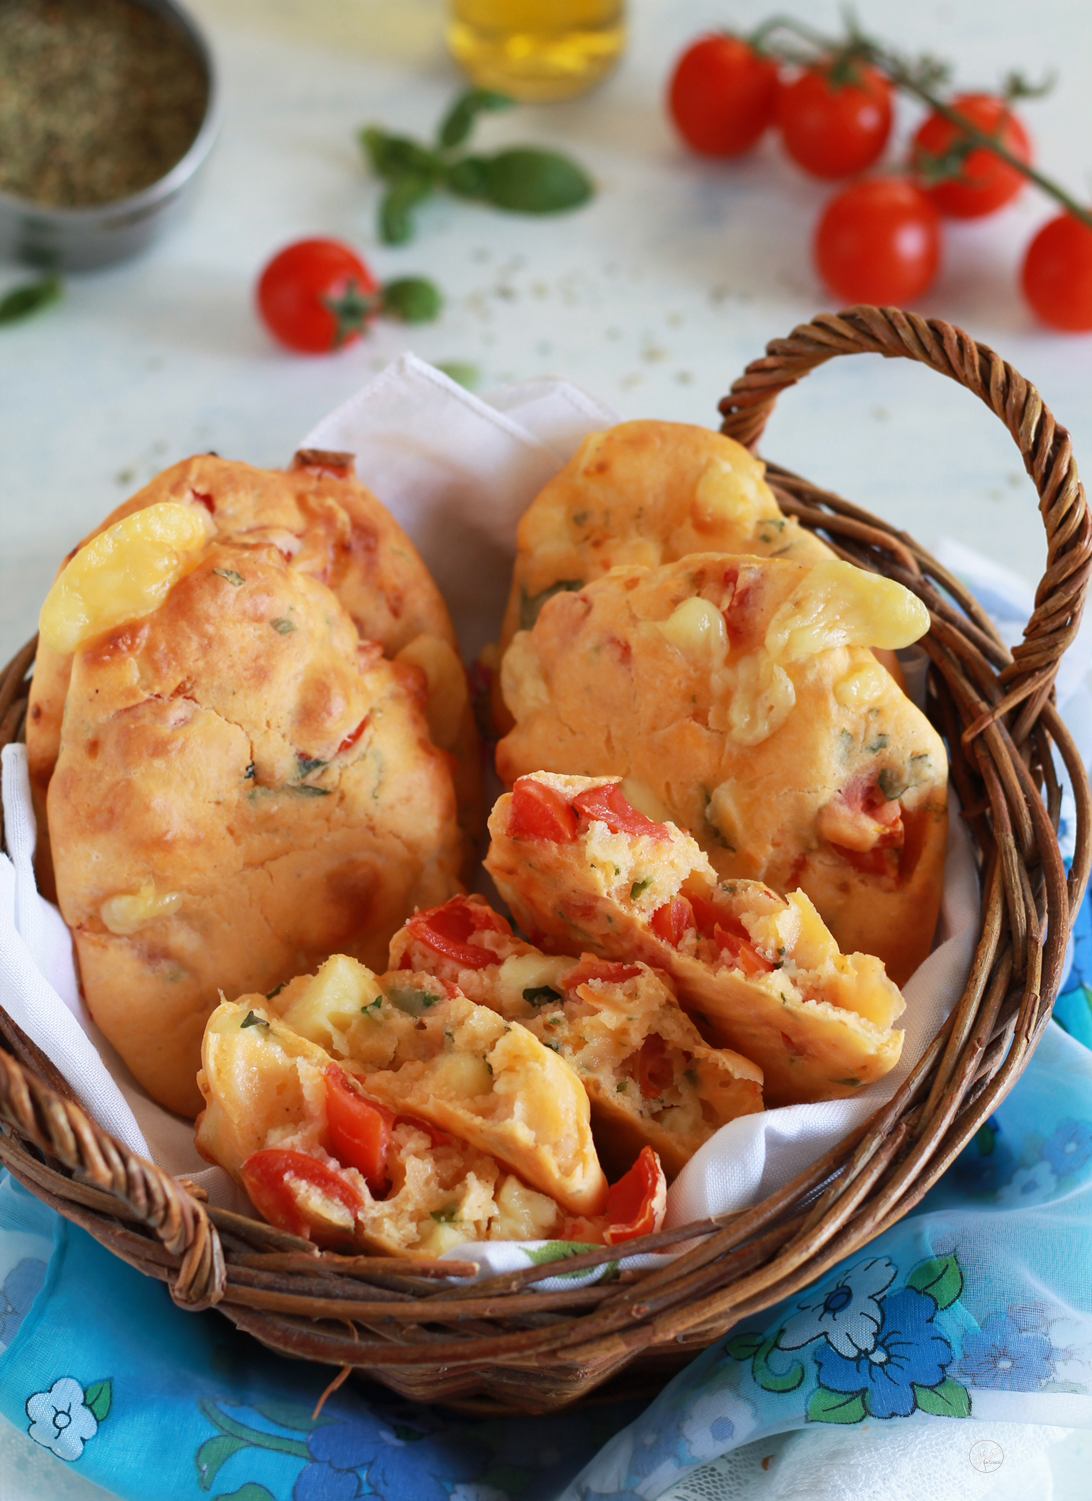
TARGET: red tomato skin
(747,958)
(264,1175)
(589,968)
(448,929)
(835,130)
(673,921)
(538,812)
(990,183)
(722,96)
(293,285)
(636,1203)
(359,1130)
(608,804)
(878,241)
(1057,275)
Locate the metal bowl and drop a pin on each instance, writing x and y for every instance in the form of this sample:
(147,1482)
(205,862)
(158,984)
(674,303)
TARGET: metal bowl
(76,239)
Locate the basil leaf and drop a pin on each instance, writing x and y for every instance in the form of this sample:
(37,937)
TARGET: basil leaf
(542,995)
(397,156)
(21,302)
(526,181)
(250,1020)
(530,605)
(413,299)
(471,177)
(462,373)
(459,120)
(412,1002)
(396,210)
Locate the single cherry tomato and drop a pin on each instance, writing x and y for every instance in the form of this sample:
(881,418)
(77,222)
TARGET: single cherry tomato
(1057,275)
(539,812)
(316,296)
(722,96)
(359,1130)
(878,241)
(834,125)
(672,921)
(447,930)
(637,1203)
(608,804)
(981,182)
(280,1184)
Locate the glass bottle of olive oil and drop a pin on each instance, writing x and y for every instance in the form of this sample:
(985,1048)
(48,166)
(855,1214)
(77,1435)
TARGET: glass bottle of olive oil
(536,49)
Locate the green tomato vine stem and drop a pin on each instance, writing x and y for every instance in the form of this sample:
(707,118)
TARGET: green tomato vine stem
(763,39)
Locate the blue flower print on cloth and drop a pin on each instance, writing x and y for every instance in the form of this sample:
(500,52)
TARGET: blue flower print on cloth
(343,1452)
(65,1417)
(849,1315)
(907,1352)
(21,1286)
(1006,1357)
(1069,1149)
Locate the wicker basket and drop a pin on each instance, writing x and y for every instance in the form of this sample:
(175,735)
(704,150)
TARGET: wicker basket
(500,1346)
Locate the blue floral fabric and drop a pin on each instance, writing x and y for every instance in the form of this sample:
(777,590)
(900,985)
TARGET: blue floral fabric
(976,1306)
(104,1371)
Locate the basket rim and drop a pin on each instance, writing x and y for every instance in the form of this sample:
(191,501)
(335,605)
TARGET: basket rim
(543,1349)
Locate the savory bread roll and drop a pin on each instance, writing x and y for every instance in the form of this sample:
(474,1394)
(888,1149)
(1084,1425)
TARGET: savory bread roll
(323,1159)
(651,1078)
(647,493)
(580,868)
(739,699)
(423,1049)
(243,787)
(326,525)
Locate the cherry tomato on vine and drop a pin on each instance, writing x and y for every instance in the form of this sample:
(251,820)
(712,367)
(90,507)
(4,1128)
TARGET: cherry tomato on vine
(981,182)
(317,295)
(878,241)
(1057,275)
(722,95)
(835,120)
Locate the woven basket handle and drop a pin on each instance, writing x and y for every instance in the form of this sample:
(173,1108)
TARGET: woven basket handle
(1044,446)
(110,1178)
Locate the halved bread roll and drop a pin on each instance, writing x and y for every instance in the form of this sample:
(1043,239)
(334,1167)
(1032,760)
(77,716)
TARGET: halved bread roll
(651,1078)
(581,868)
(322,1158)
(423,1048)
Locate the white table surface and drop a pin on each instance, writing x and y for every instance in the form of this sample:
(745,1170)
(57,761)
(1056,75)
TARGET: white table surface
(654,298)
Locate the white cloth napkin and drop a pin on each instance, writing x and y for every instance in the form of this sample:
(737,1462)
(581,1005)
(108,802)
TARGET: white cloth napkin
(457,471)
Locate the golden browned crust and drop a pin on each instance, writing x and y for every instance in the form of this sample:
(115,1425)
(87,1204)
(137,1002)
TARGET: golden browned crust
(329,527)
(242,788)
(757,758)
(646,492)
